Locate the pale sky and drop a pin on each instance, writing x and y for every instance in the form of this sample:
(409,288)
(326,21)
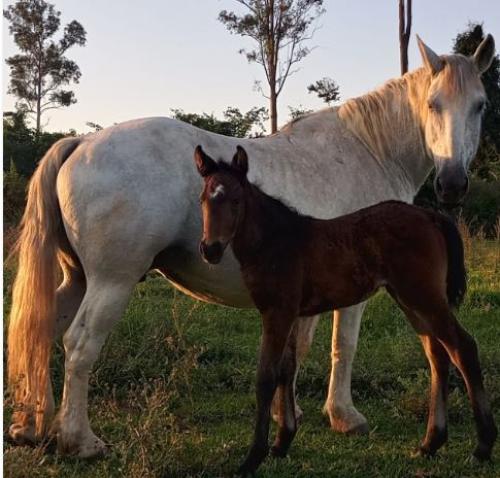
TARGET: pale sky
(144,58)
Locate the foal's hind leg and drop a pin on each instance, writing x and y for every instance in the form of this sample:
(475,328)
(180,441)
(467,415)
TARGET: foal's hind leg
(462,350)
(437,430)
(104,303)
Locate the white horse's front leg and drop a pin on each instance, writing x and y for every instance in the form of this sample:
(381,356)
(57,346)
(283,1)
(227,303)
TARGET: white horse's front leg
(343,415)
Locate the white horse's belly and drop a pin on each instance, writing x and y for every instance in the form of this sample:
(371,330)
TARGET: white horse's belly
(221,284)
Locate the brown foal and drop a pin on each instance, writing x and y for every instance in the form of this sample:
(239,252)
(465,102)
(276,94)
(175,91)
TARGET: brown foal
(295,266)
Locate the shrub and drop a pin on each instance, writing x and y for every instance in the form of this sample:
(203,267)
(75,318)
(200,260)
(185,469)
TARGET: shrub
(14,195)
(481,208)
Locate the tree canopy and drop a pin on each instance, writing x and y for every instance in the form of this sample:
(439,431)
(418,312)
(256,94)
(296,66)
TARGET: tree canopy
(487,162)
(279,29)
(235,123)
(39,72)
(326,89)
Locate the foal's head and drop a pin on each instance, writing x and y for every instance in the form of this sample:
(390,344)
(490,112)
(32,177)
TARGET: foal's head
(221,201)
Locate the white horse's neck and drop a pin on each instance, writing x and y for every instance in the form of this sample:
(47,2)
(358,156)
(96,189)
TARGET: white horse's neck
(390,123)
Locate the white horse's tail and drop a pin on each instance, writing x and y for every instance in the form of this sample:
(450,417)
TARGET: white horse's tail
(32,317)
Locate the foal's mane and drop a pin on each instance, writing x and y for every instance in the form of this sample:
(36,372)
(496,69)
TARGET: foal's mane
(379,119)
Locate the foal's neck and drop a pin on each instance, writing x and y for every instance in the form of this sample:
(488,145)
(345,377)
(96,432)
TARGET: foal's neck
(265,223)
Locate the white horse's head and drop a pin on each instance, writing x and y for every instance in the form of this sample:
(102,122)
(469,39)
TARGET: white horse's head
(455,104)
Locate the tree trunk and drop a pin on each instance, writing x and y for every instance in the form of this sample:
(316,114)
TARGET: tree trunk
(273,99)
(39,97)
(271,52)
(404,33)
(38,116)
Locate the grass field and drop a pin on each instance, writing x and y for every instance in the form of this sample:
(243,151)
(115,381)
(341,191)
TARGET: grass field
(173,392)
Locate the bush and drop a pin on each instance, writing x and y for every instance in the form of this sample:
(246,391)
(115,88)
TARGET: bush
(481,208)
(14,195)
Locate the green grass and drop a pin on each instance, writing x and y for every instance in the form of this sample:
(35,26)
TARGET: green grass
(173,392)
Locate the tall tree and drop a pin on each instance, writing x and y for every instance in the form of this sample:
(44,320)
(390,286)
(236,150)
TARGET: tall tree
(279,28)
(404,33)
(38,73)
(487,162)
(326,89)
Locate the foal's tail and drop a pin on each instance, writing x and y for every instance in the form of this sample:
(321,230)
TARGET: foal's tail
(456,280)
(32,316)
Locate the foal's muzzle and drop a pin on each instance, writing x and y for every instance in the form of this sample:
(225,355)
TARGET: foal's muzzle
(212,253)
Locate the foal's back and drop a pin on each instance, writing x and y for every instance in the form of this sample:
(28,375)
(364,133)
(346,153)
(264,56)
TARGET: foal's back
(348,258)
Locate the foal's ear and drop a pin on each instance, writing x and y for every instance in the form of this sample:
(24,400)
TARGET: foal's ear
(484,54)
(204,163)
(240,161)
(431,60)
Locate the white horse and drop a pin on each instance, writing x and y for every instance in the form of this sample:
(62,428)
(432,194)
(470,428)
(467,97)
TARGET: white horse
(110,206)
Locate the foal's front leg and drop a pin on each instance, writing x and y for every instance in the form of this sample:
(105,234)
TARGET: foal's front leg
(276,330)
(305,328)
(287,408)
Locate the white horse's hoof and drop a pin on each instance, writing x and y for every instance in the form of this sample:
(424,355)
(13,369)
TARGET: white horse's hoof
(347,420)
(22,434)
(89,447)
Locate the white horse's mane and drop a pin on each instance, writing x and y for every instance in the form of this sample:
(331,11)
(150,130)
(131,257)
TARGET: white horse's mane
(399,106)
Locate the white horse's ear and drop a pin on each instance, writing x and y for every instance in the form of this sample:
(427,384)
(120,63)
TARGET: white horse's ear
(484,54)
(431,60)
(240,161)
(204,163)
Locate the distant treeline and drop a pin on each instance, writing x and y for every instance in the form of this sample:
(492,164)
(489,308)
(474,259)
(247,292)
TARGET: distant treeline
(23,148)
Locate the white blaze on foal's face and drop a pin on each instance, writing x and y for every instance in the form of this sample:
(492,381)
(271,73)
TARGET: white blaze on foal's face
(217,192)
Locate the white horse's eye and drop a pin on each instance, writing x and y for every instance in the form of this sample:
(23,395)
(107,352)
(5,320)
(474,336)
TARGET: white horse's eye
(434,106)
(480,107)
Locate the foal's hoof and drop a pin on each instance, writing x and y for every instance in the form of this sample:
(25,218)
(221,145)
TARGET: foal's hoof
(482,453)
(278,451)
(423,451)
(253,461)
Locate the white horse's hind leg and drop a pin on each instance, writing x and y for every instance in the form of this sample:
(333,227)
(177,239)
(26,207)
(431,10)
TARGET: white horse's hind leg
(69,296)
(343,415)
(103,305)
